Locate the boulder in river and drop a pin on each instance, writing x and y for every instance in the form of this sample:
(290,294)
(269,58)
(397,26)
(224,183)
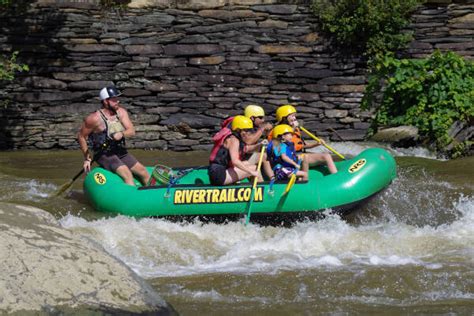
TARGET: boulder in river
(49,269)
(403,136)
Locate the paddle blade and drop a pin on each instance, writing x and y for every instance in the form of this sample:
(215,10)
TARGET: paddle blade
(64,188)
(290,184)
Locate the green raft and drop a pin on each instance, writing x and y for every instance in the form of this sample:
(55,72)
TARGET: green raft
(356,181)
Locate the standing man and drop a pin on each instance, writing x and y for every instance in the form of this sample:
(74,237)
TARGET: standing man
(107,129)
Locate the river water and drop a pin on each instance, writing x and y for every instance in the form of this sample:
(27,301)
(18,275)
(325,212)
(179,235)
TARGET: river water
(410,250)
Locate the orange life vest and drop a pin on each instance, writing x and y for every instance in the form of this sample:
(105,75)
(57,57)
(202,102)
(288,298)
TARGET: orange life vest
(297,139)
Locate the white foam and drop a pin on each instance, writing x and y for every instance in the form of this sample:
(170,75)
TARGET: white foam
(154,247)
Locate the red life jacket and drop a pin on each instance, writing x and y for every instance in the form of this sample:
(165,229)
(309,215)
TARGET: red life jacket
(220,137)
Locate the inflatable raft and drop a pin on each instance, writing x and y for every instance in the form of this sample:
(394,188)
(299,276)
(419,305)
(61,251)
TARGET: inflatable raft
(357,180)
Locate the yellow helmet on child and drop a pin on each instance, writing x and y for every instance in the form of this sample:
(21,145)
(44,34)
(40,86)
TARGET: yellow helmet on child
(253,110)
(282,129)
(283,111)
(241,122)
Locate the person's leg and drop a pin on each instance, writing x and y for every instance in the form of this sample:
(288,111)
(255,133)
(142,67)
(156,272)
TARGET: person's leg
(113,163)
(267,168)
(235,174)
(139,170)
(136,168)
(313,158)
(125,174)
(303,175)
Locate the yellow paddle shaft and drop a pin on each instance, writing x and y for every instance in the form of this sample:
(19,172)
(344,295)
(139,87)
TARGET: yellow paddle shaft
(319,140)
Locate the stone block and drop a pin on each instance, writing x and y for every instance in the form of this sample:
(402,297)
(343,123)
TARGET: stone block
(273,49)
(346,88)
(212,60)
(94,48)
(334,113)
(89,85)
(43,82)
(145,49)
(192,50)
(132,65)
(227,15)
(160,86)
(222,27)
(273,24)
(194,121)
(352,134)
(283,9)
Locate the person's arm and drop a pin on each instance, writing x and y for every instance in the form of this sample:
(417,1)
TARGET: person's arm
(287,159)
(253,138)
(127,124)
(86,129)
(233,146)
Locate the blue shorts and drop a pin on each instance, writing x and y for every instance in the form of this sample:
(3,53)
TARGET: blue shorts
(284,173)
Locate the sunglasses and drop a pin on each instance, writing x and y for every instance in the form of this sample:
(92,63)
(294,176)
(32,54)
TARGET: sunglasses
(260,117)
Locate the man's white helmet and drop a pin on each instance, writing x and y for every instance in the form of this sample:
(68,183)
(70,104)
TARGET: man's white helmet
(109,92)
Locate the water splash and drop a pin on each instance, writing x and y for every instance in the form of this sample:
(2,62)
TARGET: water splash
(26,190)
(157,248)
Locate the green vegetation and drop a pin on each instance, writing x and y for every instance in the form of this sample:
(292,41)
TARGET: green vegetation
(9,67)
(366,27)
(431,94)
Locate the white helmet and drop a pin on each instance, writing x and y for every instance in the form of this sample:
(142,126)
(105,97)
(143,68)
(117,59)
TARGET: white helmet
(109,92)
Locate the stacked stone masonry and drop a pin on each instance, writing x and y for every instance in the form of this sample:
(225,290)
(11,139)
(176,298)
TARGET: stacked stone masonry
(183,68)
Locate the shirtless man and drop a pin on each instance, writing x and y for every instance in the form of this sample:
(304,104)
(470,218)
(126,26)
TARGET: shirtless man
(107,129)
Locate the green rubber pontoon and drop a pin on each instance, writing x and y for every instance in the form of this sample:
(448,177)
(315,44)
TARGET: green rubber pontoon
(191,195)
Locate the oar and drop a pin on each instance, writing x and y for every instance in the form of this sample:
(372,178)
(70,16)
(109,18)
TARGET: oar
(67,185)
(292,180)
(254,186)
(319,140)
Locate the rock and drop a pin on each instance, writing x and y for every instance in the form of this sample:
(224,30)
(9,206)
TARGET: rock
(192,50)
(46,267)
(399,134)
(283,49)
(276,8)
(227,15)
(195,121)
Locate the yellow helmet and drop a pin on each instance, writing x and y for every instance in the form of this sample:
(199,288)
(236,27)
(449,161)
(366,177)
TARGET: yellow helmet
(283,111)
(281,129)
(253,110)
(241,122)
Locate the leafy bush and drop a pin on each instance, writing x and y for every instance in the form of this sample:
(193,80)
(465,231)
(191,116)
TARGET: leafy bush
(367,27)
(431,94)
(9,67)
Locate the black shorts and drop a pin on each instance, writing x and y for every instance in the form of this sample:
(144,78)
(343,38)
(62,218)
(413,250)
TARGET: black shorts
(113,160)
(217,174)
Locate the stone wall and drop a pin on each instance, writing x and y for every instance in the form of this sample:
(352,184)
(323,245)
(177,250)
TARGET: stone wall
(183,66)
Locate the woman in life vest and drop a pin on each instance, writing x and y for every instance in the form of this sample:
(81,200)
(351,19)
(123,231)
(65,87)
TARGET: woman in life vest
(226,164)
(286,114)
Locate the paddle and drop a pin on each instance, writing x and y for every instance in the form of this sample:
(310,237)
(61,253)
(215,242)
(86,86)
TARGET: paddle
(67,185)
(292,180)
(254,186)
(319,140)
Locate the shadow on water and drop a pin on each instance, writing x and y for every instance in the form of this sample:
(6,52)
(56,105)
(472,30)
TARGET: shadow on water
(32,35)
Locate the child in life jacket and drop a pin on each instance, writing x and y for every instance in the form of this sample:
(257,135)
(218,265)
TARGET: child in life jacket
(286,114)
(282,154)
